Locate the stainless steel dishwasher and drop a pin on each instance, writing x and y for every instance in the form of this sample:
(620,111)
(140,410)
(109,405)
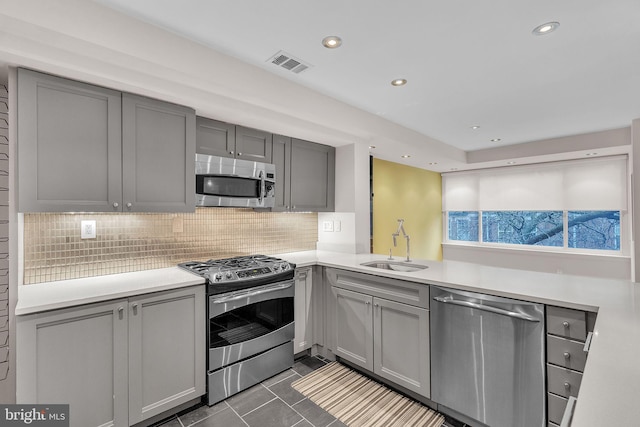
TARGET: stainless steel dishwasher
(487,358)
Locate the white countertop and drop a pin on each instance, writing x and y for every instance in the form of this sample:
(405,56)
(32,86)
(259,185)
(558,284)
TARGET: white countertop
(610,386)
(67,293)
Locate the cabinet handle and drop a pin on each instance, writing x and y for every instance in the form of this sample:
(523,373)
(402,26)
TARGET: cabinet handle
(567,355)
(587,343)
(568,412)
(115,205)
(120,309)
(129,205)
(367,302)
(565,324)
(567,386)
(134,306)
(239,154)
(230,152)
(376,304)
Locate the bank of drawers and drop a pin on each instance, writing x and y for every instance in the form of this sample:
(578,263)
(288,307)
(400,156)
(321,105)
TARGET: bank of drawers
(567,331)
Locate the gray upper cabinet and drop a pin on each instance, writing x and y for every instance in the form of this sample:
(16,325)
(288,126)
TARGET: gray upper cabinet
(69,142)
(158,152)
(305,175)
(217,138)
(84,148)
(253,144)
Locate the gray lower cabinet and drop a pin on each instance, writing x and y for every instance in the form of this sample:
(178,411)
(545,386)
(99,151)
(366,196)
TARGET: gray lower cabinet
(115,363)
(305,175)
(216,138)
(303,315)
(85,148)
(382,325)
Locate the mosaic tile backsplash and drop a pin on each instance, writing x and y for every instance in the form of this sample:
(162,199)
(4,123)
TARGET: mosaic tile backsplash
(53,249)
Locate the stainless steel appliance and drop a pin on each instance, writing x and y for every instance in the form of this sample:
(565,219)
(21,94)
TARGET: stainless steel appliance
(250,321)
(222,181)
(487,360)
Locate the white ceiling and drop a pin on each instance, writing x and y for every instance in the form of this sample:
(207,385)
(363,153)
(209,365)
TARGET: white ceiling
(467,62)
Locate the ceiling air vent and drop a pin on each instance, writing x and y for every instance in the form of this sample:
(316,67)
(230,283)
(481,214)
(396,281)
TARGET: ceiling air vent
(287,61)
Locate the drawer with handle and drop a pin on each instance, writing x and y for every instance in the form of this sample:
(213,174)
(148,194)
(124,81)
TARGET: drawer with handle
(563,382)
(566,322)
(567,353)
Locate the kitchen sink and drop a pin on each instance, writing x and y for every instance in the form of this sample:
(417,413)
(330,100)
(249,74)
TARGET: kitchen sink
(395,265)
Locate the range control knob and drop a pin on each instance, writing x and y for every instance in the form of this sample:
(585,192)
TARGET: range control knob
(229,275)
(218,277)
(285,266)
(276,267)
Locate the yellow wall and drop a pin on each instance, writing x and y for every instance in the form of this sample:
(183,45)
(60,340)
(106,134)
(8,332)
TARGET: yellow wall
(416,196)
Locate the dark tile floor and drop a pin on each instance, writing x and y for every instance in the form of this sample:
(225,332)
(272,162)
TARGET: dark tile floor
(272,403)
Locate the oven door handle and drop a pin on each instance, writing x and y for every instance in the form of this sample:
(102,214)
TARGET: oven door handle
(252,293)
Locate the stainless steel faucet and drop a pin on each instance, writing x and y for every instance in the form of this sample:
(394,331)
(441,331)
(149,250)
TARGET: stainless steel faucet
(406,236)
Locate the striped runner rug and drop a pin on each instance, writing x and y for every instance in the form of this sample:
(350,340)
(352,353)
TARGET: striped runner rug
(358,401)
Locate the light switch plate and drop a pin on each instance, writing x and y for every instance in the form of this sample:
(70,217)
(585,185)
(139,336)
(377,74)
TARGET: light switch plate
(337,225)
(88,229)
(327,226)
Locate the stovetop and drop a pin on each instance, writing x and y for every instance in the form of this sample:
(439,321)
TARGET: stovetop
(230,274)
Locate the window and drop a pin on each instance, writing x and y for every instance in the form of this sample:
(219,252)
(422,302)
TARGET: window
(541,228)
(578,205)
(463,226)
(594,230)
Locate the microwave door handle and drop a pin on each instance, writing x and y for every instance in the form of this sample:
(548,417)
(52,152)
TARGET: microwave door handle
(262,187)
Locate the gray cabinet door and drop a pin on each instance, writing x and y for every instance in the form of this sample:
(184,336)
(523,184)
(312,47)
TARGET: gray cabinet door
(78,357)
(303,316)
(312,176)
(253,144)
(158,156)
(166,351)
(401,344)
(69,143)
(353,327)
(215,138)
(281,157)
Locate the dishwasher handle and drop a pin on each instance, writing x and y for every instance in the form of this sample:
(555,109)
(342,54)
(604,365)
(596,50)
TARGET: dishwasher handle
(513,314)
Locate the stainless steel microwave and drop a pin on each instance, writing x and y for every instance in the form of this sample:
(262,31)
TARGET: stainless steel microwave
(226,182)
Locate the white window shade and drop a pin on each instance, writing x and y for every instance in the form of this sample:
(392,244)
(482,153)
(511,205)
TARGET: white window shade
(460,192)
(594,184)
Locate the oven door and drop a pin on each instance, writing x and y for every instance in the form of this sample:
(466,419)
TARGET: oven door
(249,322)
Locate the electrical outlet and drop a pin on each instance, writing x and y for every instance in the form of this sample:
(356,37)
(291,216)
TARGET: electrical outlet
(327,226)
(337,226)
(88,229)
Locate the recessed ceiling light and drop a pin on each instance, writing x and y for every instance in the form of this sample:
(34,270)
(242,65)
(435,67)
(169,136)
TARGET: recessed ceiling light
(591,154)
(475,127)
(511,163)
(399,82)
(371,147)
(545,28)
(331,42)
(496,140)
(453,169)
(405,156)
(433,163)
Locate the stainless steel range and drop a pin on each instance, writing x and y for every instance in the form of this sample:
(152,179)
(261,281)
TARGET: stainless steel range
(250,321)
